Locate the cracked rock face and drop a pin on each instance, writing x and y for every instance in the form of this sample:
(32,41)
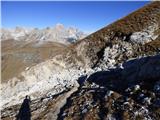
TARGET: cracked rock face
(111,74)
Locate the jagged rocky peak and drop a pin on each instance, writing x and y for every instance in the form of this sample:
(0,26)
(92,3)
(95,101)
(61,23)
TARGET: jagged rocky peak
(58,33)
(59,26)
(14,33)
(130,35)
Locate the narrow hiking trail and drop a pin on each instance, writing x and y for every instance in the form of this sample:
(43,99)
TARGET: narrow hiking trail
(55,107)
(46,109)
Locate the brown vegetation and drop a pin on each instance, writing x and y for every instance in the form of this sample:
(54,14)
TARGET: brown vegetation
(16,57)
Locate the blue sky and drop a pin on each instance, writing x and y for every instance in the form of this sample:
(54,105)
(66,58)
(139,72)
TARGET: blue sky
(87,16)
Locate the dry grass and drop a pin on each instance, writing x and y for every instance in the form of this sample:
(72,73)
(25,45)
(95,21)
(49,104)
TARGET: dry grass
(150,48)
(136,21)
(154,44)
(14,56)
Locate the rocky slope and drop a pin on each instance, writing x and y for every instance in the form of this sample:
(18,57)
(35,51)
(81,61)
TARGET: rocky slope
(131,92)
(111,74)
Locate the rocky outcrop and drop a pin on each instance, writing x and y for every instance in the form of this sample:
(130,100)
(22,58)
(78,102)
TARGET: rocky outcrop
(131,92)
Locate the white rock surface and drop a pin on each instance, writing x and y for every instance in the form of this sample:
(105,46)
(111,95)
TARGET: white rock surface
(44,78)
(144,36)
(110,54)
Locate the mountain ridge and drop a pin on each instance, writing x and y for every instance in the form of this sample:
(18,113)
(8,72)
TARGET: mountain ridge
(58,33)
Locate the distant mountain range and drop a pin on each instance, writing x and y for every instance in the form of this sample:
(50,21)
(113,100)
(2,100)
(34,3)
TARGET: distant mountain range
(58,33)
(25,47)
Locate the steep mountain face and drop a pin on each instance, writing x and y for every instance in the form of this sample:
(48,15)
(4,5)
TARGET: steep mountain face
(111,74)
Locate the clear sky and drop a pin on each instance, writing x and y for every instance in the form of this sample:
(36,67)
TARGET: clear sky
(87,16)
